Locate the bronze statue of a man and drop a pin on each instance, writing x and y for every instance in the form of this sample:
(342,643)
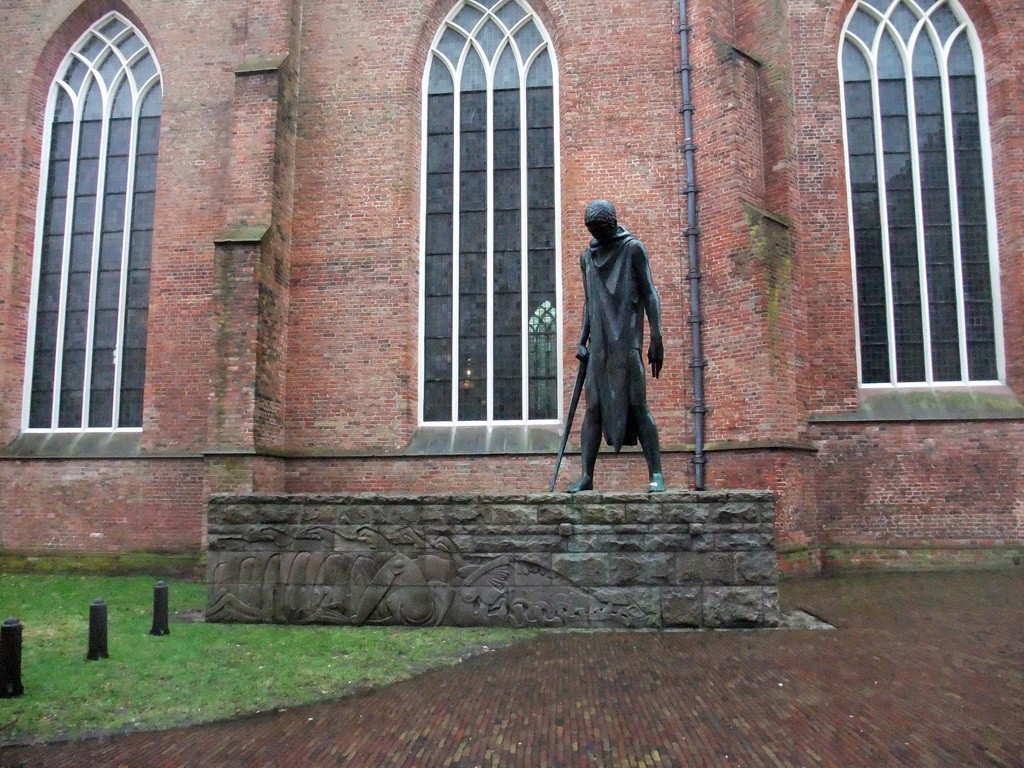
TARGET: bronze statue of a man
(618,292)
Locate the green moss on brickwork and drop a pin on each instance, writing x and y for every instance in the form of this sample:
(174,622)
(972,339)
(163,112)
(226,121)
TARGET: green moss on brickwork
(184,565)
(230,471)
(771,245)
(921,558)
(799,561)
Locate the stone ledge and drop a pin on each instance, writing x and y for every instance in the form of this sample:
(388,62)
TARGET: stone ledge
(242,234)
(578,499)
(254,65)
(469,441)
(32,445)
(979,404)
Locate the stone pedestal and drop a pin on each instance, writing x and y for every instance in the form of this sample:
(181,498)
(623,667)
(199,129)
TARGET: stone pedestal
(677,559)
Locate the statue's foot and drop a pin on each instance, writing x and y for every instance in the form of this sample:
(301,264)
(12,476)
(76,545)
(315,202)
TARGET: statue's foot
(657,484)
(585,483)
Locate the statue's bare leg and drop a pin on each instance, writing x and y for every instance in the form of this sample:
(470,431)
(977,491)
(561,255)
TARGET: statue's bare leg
(590,442)
(647,432)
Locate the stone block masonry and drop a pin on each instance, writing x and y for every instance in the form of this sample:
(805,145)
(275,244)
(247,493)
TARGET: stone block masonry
(677,559)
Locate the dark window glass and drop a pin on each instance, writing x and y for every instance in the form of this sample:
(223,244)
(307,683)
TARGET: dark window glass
(56,212)
(73,374)
(506,109)
(439,153)
(438,259)
(541,228)
(542,273)
(135,329)
(473,232)
(41,403)
(132,376)
(49,292)
(57,179)
(75,323)
(543,361)
(101,396)
(473,151)
(508,231)
(863,170)
(61,143)
(438,236)
(113,212)
(440,113)
(120,135)
(439,193)
(149,134)
(980,330)
(140,249)
(138,289)
(473,112)
(145,173)
(46,331)
(108,291)
(934,165)
(506,190)
(508,334)
(473,193)
(116,181)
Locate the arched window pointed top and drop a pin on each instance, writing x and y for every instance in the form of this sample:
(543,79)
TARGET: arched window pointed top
(490,253)
(90,296)
(920,192)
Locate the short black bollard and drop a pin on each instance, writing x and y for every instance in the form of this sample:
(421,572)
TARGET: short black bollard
(10,659)
(160,610)
(97,631)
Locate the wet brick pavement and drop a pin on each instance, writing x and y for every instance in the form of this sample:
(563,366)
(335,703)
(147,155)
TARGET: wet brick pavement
(922,671)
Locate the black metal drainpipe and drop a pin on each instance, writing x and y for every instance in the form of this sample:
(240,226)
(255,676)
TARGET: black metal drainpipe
(692,233)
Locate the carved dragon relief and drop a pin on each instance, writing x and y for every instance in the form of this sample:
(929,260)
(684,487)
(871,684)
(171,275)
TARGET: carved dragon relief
(342,579)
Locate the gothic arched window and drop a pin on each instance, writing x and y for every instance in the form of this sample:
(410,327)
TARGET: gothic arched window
(920,195)
(490,217)
(90,297)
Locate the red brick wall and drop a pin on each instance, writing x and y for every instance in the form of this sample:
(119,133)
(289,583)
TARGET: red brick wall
(926,481)
(491,474)
(827,374)
(898,481)
(315,347)
(156,505)
(356,252)
(742,132)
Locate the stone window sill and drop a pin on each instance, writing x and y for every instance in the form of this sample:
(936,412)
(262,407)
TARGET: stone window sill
(459,440)
(960,404)
(74,445)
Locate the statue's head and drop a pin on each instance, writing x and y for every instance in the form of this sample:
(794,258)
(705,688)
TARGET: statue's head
(600,219)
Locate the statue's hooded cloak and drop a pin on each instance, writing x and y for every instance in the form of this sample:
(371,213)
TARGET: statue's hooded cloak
(616,281)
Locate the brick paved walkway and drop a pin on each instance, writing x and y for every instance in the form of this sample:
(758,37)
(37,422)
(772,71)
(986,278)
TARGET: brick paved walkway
(923,671)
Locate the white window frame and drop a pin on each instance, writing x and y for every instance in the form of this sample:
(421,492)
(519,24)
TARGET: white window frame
(524,68)
(108,90)
(905,49)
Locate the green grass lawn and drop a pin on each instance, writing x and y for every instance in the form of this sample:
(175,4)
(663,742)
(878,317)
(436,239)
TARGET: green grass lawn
(200,672)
